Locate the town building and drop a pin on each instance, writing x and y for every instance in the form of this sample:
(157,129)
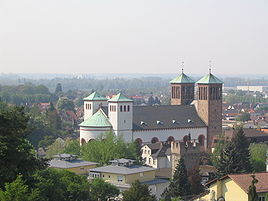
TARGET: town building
(235,187)
(253,88)
(150,124)
(123,172)
(165,155)
(71,163)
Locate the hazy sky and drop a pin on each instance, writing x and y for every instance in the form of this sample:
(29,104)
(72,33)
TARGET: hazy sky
(133,36)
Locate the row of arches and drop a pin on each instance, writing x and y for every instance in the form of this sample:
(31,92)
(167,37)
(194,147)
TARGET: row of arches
(201,139)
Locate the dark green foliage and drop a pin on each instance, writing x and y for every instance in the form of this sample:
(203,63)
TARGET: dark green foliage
(53,117)
(138,192)
(179,185)
(101,190)
(243,117)
(106,148)
(18,191)
(215,156)
(58,90)
(195,181)
(252,193)
(65,104)
(61,185)
(258,157)
(16,152)
(235,157)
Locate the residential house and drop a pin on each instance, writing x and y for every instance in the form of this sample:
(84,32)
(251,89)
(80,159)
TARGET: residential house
(123,172)
(71,163)
(234,187)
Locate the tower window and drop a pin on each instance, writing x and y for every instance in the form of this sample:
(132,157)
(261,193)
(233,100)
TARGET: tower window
(90,106)
(125,108)
(128,108)
(121,108)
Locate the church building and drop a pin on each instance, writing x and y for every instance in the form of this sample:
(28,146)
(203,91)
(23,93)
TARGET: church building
(201,118)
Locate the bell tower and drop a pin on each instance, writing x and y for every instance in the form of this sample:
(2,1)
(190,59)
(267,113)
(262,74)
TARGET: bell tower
(209,105)
(182,90)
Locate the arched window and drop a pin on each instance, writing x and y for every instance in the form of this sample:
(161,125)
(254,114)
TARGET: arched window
(128,108)
(90,106)
(139,141)
(154,140)
(185,138)
(125,108)
(170,139)
(201,139)
(83,141)
(121,108)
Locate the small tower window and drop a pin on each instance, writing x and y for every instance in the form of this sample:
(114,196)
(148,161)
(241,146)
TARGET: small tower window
(128,108)
(125,108)
(90,106)
(121,108)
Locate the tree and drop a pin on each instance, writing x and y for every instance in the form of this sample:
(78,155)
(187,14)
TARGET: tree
(138,192)
(18,191)
(58,90)
(61,185)
(195,181)
(258,156)
(65,104)
(243,117)
(106,148)
(53,117)
(252,193)
(235,157)
(17,152)
(242,149)
(179,185)
(101,190)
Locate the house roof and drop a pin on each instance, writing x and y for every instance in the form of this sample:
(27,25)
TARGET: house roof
(244,181)
(125,170)
(166,117)
(209,79)
(99,119)
(95,96)
(65,164)
(162,116)
(120,98)
(182,79)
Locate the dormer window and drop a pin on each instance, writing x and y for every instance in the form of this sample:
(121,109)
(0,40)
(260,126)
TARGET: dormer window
(173,121)
(142,123)
(190,121)
(159,122)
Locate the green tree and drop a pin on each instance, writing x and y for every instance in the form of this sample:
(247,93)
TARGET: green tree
(53,117)
(18,191)
(138,192)
(179,185)
(58,90)
(61,185)
(258,156)
(16,152)
(65,104)
(106,148)
(243,117)
(101,190)
(195,181)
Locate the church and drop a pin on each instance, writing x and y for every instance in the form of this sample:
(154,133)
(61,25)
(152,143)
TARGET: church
(199,118)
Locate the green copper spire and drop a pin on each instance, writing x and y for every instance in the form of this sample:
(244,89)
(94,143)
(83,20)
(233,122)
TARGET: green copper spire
(209,79)
(95,97)
(120,98)
(99,119)
(182,79)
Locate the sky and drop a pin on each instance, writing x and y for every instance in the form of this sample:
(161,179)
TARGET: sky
(134,36)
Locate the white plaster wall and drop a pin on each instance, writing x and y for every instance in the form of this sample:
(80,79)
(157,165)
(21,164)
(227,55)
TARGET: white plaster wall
(122,121)
(92,133)
(95,105)
(163,135)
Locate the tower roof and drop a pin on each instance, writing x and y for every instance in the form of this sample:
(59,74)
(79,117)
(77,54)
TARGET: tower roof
(95,96)
(182,79)
(209,79)
(99,119)
(120,98)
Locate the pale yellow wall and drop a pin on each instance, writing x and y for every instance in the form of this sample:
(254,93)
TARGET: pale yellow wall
(147,176)
(79,170)
(112,178)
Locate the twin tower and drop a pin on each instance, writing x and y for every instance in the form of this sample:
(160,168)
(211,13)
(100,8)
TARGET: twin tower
(208,100)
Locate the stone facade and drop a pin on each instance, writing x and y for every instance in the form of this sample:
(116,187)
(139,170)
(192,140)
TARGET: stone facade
(182,94)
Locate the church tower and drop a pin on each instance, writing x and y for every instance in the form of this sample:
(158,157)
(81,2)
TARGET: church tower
(182,90)
(209,105)
(92,103)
